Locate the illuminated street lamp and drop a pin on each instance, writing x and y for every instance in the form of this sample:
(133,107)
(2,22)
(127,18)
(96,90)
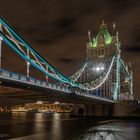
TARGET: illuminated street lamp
(56,103)
(99,68)
(39,102)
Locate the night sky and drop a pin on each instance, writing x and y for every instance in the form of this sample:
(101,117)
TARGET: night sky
(57,29)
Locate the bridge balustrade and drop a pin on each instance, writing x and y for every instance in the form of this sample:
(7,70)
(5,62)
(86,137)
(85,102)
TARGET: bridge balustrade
(44,83)
(5,73)
(29,80)
(38,82)
(15,76)
(50,85)
(23,78)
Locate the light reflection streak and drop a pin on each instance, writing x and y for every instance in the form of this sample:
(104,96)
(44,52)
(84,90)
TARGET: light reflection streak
(39,123)
(56,126)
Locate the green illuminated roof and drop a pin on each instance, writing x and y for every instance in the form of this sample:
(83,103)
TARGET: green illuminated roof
(103,36)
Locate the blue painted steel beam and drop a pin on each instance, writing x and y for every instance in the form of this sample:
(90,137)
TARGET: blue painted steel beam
(17,36)
(122,64)
(125,69)
(25,57)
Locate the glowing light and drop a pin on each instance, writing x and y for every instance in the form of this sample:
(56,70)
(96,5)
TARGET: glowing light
(106,76)
(108,40)
(99,68)
(102,68)
(1,38)
(39,102)
(94,45)
(102,32)
(56,103)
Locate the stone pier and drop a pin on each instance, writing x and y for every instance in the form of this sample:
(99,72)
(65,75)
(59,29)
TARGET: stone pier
(93,110)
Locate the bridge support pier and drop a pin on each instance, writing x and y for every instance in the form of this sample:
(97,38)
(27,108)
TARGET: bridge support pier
(79,110)
(93,110)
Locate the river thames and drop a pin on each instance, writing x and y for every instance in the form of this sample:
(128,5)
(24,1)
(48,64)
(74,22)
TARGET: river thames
(61,126)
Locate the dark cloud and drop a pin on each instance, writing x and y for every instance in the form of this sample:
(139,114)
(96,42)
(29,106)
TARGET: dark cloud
(137,36)
(66,60)
(65,23)
(121,5)
(133,49)
(42,40)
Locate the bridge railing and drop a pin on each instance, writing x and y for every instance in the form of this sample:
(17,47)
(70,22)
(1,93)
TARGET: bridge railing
(92,94)
(15,77)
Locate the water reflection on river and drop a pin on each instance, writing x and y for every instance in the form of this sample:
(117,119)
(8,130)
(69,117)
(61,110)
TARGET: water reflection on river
(43,126)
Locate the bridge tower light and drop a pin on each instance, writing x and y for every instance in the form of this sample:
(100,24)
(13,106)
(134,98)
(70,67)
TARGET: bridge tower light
(28,64)
(1,46)
(117,75)
(89,35)
(46,75)
(131,85)
(98,68)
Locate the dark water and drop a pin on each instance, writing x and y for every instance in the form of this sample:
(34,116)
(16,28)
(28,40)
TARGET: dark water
(43,126)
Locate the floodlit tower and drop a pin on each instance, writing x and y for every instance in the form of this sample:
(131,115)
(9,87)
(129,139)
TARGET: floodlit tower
(99,53)
(102,45)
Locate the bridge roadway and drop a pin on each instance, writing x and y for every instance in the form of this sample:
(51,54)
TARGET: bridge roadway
(34,89)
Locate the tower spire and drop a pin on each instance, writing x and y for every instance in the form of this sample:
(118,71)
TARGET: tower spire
(103,24)
(89,35)
(114,27)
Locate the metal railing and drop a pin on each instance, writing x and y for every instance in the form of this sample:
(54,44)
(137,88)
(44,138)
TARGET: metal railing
(15,77)
(30,81)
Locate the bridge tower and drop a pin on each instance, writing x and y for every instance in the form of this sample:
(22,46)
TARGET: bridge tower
(99,53)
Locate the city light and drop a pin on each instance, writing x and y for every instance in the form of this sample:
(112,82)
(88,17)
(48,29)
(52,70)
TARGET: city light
(39,102)
(99,68)
(56,103)
(1,38)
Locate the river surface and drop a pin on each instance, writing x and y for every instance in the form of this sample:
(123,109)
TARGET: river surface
(43,126)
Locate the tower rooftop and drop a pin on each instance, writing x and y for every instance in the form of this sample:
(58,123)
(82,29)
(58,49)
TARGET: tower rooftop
(103,37)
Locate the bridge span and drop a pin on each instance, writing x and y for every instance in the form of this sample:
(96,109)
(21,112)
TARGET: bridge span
(35,89)
(103,79)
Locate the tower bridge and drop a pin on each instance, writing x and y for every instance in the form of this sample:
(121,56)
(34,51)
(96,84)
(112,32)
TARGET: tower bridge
(104,77)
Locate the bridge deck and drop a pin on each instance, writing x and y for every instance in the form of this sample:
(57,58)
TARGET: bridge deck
(45,90)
